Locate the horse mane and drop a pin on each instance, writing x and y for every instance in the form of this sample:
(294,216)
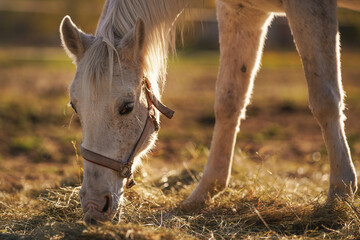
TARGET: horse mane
(118,18)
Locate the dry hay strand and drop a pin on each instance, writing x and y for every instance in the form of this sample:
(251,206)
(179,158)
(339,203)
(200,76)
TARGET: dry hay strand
(63,204)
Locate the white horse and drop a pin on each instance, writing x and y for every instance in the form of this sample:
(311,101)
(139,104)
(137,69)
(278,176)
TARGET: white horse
(121,73)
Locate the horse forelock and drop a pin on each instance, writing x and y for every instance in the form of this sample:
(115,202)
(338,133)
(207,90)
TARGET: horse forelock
(118,18)
(94,66)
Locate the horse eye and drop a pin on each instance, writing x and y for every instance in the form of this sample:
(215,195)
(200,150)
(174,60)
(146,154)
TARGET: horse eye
(73,106)
(126,108)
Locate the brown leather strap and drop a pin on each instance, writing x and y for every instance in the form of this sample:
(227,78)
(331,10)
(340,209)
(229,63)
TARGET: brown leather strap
(159,105)
(101,160)
(124,168)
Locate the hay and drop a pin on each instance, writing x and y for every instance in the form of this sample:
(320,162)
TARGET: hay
(256,205)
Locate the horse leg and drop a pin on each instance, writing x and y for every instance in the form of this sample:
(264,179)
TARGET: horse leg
(315,30)
(242,32)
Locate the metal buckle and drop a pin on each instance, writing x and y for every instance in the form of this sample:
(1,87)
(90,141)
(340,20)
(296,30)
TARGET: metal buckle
(125,172)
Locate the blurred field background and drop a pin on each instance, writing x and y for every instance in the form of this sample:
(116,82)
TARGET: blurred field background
(280,172)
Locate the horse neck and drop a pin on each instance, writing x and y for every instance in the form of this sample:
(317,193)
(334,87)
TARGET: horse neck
(119,17)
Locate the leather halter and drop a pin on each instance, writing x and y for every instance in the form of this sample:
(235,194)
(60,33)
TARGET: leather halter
(124,168)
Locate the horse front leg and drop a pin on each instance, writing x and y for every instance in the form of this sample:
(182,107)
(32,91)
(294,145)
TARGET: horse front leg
(315,30)
(242,32)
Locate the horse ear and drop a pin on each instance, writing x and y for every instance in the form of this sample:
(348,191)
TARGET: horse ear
(73,39)
(134,41)
(139,35)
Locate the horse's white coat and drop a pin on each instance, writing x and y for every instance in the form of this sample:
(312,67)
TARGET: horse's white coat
(106,79)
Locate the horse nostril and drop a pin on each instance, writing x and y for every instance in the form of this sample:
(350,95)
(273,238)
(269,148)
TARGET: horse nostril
(91,221)
(107,204)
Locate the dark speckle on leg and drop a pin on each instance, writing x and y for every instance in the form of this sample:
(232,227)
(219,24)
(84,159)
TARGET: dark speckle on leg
(240,6)
(243,68)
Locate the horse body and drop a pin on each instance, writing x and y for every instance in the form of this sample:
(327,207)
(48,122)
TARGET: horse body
(131,43)
(263,5)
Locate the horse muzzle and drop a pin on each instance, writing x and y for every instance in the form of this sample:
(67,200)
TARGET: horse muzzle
(98,210)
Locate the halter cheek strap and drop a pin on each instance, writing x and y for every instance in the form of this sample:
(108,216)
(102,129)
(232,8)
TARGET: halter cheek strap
(124,168)
(152,100)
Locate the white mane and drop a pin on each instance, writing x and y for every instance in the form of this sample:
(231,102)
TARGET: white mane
(117,19)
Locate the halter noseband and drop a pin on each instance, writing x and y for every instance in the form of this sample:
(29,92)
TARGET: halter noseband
(124,168)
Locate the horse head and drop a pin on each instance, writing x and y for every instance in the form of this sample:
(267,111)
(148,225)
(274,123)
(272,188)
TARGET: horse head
(114,102)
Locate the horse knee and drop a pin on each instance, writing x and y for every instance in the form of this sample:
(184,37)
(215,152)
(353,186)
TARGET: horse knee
(326,106)
(227,105)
